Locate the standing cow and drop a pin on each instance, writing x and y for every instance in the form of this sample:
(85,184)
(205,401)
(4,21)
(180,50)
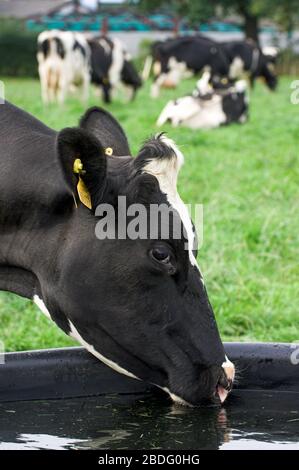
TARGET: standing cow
(174,58)
(246,57)
(111,67)
(63,63)
(139,305)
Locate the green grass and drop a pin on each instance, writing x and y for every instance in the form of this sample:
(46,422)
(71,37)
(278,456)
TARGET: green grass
(246,176)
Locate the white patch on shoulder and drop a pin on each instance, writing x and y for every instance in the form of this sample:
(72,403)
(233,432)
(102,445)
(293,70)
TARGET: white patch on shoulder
(117,62)
(76,335)
(166,172)
(236,68)
(105,45)
(40,304)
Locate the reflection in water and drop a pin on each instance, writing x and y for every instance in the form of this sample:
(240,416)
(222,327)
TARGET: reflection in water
(250,420)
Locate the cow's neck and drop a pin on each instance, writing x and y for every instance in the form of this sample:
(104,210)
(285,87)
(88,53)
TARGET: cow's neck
(18,281)
(28,252)
(30,179)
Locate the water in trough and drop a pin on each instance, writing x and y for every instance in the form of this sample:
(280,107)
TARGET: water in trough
(249,420)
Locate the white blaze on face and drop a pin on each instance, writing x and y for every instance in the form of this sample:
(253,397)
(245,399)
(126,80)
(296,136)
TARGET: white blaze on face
(166,171)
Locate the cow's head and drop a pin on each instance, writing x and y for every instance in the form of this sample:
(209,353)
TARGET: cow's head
(139,305)
(268,72)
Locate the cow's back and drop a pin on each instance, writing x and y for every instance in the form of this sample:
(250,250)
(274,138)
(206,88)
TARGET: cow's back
(20,131)
(239,49)
(29,167)
(196,52)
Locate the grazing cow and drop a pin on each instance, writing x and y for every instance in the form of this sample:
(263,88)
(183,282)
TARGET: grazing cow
(246,57)
(139,305)
(111,66)
(63,63)
(208,107)
(174,58)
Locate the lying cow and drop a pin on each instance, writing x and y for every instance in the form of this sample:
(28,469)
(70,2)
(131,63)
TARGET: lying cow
(177,57)
(63,64)
(138,305)
(111,66)
(208,107)
(247,58)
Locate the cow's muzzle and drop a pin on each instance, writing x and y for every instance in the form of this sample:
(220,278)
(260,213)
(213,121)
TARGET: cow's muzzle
(225,382)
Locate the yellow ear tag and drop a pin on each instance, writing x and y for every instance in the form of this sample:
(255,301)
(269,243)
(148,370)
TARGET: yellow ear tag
(83,192)
(109,151)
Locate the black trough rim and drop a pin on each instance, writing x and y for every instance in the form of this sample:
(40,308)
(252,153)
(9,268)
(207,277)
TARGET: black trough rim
(73,372)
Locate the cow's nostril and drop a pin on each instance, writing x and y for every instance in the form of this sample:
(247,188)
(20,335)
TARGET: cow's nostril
(224,386)
(225,383)
(222,393)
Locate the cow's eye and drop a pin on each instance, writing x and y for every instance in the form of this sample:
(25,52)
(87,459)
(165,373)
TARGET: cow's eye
(161,254)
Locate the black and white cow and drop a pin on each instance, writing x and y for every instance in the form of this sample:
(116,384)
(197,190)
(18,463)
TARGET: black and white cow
(209,106)
(111,66)
(177,57)
(63,64)
(246,57)
(139,305)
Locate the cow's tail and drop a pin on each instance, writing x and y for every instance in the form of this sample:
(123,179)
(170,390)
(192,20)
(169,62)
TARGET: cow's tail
(147,68)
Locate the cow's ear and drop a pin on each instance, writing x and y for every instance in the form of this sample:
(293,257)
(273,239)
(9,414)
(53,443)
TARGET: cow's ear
(161,158)
(83,161)
(107,130)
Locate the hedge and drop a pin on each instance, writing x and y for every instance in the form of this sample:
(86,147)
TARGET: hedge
(17,50)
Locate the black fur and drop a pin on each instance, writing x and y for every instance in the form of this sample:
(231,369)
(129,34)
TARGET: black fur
(107,129)
(44,47)
(79,47)
(59,47)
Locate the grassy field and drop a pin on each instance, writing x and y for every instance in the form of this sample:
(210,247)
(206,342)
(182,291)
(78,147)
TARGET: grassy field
(246,176)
